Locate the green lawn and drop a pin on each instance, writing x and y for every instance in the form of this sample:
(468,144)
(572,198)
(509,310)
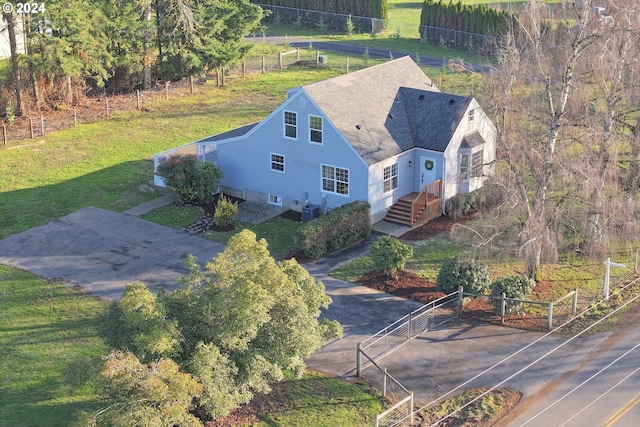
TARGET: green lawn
(49,351)
(108,164)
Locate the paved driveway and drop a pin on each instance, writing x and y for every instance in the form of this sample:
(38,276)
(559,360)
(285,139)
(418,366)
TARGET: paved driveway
(102,251)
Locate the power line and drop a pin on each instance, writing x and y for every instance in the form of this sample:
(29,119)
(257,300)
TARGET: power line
(581,384)
(449,415)
(603,394)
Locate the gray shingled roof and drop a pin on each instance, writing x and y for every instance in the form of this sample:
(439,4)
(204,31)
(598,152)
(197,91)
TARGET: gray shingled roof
(233,133)
(433,116)
(366,106)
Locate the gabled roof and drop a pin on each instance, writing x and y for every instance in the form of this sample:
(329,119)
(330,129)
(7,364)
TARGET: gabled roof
(366,106)
(433,116)
(389,108)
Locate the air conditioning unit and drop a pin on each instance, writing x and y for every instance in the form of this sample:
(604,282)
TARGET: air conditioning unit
(323,59)
(310,212)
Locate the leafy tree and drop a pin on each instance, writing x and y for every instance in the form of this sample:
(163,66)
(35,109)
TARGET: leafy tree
(154,395)
(389,255)
(463,271)
(516,286)
(193,179)
(138,323)
(242,320)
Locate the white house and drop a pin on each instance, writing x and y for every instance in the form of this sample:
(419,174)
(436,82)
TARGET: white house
(384,134)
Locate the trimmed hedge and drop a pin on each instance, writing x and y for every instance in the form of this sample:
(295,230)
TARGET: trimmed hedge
(369,8)
(472,21)
(340,227)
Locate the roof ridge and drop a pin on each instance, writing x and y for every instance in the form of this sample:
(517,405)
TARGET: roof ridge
(373,69)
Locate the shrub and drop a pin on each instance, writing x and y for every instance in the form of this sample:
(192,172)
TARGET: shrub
(193,179)
(515,286)
(206,181)
(225,210)
(389,255)
(462,271)
(487,196)
(338,228)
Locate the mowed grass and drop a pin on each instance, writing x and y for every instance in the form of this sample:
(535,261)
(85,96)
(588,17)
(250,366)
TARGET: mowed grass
(108,164)
(49,351)
(321,402)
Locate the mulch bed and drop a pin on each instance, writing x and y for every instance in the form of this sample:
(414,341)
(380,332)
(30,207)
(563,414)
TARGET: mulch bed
(405,285)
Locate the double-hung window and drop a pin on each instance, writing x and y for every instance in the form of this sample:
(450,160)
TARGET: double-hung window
(390,177)
(465,167)
(315,129)
(290,124)
(335,180)
(277,162)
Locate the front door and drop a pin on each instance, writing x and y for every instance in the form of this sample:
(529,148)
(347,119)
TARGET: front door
(428,171)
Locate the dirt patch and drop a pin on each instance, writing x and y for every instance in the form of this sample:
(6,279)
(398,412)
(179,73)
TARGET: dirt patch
(292,216)
(405,285)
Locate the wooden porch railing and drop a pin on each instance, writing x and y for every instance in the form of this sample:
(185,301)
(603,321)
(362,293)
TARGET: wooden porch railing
(430,193)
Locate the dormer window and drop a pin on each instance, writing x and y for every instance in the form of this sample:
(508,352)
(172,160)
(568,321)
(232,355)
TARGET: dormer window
(290,125)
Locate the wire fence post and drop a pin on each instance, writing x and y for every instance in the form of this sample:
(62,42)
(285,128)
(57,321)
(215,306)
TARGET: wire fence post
(262,64)
(347,65)
(4,134)
(550,316)
(384,384)
(106,105)
(191,82)
(635,265)
(358,360)
(166,91)
(317,58)
(503,306)
(41,125)
(75,115)
(31,127)
(459,308)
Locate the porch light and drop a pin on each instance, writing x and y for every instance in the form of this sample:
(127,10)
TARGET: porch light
(410,164)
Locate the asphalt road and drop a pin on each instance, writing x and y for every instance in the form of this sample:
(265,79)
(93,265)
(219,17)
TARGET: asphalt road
(356,50)
(603,391)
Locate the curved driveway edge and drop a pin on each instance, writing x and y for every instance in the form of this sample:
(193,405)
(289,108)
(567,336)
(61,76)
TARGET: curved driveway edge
(101,251)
